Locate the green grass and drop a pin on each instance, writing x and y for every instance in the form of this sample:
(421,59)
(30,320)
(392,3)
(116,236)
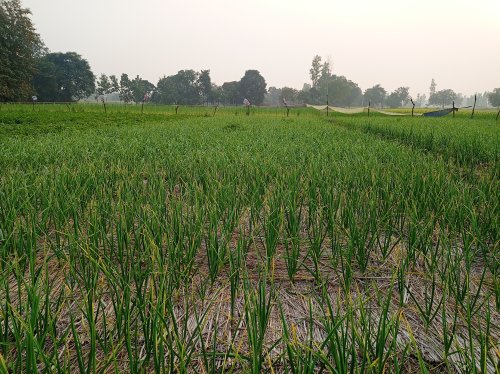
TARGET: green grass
(177,243)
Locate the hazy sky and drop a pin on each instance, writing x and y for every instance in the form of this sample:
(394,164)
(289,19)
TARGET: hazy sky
(394,43)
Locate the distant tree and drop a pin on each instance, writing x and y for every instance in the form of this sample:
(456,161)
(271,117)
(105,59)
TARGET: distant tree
(421,100)
(188,91)
(125,92)
(253,87)
(231,93)
(139,88)
(432,88)
(103,86)
(63,77)
(375,95)
(106,86)
(289,94)
(315,70)
(494,97)
(326,70)
(184,88)
(398,97)
(115,86)
(20,47)
(217,94)
(273,96)
(340,90)
(205,86)
(304,96)
(442,97)
(166,91)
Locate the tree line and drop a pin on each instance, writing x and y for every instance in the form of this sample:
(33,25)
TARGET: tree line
(28,69)
(187,87)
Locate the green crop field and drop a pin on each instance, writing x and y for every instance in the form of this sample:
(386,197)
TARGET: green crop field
(211,241)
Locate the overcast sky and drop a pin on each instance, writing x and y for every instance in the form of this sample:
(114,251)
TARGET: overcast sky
(394,43)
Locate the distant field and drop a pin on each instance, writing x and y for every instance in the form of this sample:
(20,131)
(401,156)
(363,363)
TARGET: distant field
(210,241)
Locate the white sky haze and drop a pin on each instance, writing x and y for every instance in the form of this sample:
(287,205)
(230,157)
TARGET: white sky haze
(394,43)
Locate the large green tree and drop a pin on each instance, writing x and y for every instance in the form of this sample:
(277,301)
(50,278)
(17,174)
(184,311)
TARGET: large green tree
(20,46)
(63,77)
(253,87)
(375,95)
(182,88)
(442,97)
(140,89)
(231,92)
(205,86)
(399,97)
(494,97)
(315,70)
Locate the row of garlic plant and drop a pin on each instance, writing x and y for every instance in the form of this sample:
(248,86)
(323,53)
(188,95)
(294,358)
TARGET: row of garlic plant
(117,249)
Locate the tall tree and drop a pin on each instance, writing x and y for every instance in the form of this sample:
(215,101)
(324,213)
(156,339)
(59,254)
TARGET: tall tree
(140,88)
(166,91)
(494,97)
(125,92)
(205,86)
(399,97)
(253,87)
(375,95)
(64,77)
(442,97)
(432,88)
(289,94)
(103,85)
(231,92)
(315,70)
(20,46)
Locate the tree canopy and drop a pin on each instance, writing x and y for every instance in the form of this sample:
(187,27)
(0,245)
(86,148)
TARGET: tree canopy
(375,95)
(442,97)
(253,87)
(63,77)
(494,97)
(20,46)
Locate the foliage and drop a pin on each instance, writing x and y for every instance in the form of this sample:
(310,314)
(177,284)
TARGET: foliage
(494,97)
(231,92)
(107,85)
(375,95)
(253,87)
(63,77)
(163,242)
(340,91)
(20,46)
(442,97)
(315,71)
(398,97)
(139,88)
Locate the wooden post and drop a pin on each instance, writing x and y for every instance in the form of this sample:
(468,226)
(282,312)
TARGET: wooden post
(215,110)
(474,107)
(413,107)
(453,108)
(176,108)
(369,105)
(496,119)
(142,107)
(327,105)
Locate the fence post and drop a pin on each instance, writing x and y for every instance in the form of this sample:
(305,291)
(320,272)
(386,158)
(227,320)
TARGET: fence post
(474,107)
(369,105)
